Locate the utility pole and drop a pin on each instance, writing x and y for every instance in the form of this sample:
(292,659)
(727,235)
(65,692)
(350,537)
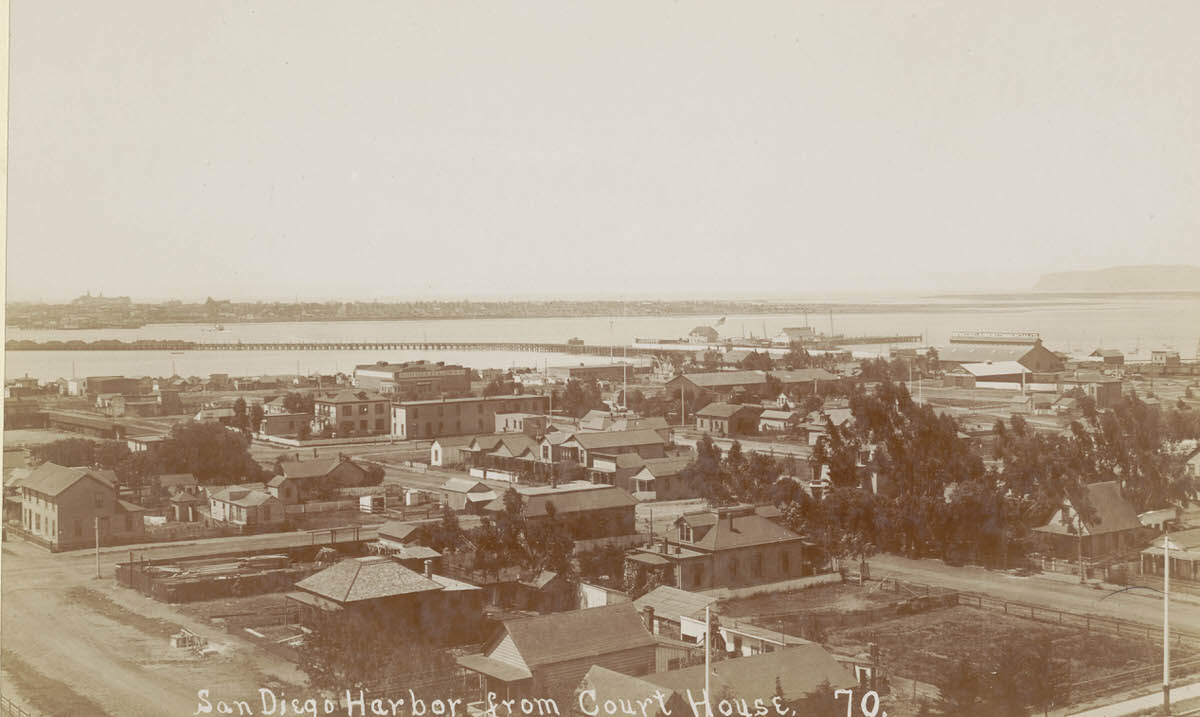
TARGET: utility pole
(1079,545)
(707,662)
(1166,621)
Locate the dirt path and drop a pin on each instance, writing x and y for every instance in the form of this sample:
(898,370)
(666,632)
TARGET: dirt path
(1072,597)
(79,646)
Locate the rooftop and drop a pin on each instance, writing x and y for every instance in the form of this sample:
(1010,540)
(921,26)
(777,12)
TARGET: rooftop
(578,634)
(369,578)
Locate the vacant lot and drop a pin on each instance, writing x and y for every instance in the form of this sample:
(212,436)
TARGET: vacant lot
(925,646)
(827,598)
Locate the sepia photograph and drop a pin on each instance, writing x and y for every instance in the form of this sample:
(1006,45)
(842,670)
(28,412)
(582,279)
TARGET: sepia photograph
(798,358)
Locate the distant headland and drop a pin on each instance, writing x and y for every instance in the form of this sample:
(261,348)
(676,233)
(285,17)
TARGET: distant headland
(1150,277)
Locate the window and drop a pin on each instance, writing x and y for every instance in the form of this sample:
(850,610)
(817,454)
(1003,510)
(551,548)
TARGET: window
(379,408)
(362,424)
(363,409)
(37,521)
(266,513)
(347,410)
(698,576)
(756,565)
(784,567)
(685,532)
(99,498)
(439,410)
(733,568)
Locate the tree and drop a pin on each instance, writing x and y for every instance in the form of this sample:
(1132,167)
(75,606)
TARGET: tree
(962,690)
(447,535)
(210,452)
(256,417)
(72,452)
(365,650)
(295,402)
(240,420)
(579,397)
(304,432)
(1048,678)
(821,702)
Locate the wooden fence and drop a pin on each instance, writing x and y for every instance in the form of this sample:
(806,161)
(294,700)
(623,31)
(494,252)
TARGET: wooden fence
(1087,622)
(8,708)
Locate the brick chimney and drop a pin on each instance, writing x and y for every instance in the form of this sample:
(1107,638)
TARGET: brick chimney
(429,568)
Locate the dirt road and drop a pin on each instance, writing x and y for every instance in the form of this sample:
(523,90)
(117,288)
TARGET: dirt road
(68,650)
(1139,606)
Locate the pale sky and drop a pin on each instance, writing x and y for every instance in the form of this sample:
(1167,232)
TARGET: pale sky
(639,147)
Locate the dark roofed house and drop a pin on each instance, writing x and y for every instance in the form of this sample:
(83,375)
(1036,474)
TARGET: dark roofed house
(528,657)
(725,547)
(1113,528)
(302,479)
(726,419)
(380,589)
(1110,357)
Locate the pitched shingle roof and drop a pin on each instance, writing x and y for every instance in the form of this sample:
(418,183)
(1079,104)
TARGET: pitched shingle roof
(574,501)
(610,685)
(803,375)
(578,634)
(369,578)
(671,603)
(739,531)
(615,439)
(310,469)
(1113,512)
(800,670)
(660,467)
(726,378)
(52,479)
(724,410)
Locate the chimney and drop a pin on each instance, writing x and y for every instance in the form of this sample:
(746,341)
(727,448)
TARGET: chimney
(731,520)
(648,611)
(429,568)
(664,545)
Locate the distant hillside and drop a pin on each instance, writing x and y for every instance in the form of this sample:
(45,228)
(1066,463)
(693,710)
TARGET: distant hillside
(1124,278)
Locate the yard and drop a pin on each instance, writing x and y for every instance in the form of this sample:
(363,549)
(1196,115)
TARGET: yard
(846,597)
(924,646)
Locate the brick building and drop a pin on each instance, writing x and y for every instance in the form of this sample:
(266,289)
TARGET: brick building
(350,412)
(459,416)
(725,547)
(416,379)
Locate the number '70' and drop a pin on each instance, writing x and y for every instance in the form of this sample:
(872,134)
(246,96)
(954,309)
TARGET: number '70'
(871,697)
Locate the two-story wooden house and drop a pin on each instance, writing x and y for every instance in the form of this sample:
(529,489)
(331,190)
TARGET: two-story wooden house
(65,508)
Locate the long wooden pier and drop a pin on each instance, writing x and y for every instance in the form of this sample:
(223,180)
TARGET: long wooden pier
(423,345)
